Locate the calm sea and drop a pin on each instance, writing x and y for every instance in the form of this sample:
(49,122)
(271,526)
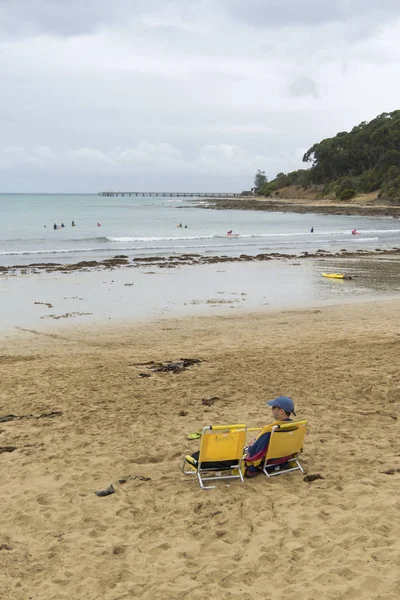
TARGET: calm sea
(148,227)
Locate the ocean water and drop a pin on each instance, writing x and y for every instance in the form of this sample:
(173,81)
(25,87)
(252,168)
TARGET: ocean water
(142,227)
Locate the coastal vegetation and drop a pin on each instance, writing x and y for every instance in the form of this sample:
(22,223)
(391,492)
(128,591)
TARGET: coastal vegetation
(364,160)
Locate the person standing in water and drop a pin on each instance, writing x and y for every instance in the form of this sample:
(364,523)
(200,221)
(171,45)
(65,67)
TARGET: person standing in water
(312,230)
(73,224)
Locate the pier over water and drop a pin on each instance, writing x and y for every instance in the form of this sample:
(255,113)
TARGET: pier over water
(175,194)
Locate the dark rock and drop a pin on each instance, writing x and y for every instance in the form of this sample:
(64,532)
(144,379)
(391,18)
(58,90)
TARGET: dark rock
(188,362)
(7,449)
(106,492)
(5,547)
(209,401)
(83,263)
(392,471)
(313,477)
(114,261)
(7,418)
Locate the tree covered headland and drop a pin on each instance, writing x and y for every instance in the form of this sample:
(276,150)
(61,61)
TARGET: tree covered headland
(366,159)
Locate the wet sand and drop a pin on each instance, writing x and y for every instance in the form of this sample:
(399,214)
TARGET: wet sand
(164,538)
(44,299)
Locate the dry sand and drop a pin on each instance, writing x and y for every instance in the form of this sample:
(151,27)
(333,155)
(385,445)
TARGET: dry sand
(338,537)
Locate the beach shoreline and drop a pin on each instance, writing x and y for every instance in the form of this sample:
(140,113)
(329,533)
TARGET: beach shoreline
(88,419)
(143,291)
(191,259)
(304,205)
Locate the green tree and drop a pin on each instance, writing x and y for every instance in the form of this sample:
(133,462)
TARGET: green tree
(365,159)
(260,180)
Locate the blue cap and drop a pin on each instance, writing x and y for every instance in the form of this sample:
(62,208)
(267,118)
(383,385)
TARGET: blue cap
(283,402)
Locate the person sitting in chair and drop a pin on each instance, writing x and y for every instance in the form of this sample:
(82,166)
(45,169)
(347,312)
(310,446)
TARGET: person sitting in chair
(282,409)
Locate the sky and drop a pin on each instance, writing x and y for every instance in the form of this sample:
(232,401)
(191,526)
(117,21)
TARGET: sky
(184,95)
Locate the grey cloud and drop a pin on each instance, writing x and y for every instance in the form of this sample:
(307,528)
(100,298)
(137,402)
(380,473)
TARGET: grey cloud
(67,17)
(303,86)
(280,13)
(74,17)
(7,117)
(19,18)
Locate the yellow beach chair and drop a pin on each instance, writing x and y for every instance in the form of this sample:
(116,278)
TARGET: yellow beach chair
(286,441)
(221,451)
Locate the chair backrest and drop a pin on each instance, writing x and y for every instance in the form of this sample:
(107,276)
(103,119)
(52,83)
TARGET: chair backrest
(286,439)
(222,442)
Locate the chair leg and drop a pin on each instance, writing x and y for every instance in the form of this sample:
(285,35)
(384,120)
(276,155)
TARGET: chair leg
(204,487)
(284,471)
(193,471)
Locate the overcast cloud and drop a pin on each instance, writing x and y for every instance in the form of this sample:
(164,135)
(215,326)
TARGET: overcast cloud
(184,95)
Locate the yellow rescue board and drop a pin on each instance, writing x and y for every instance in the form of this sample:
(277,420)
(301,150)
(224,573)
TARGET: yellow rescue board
(334,275)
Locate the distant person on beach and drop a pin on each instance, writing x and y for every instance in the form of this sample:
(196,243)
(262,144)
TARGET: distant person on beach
(180,225)
(73,224)
(185,226)
(62,225)
(312,230)
(282,409)
(55,226)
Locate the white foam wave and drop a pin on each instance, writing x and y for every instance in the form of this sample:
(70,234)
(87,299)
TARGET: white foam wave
(50,251)
(160,239)
(296,234)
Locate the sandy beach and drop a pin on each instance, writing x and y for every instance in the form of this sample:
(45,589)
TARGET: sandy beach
(88,420)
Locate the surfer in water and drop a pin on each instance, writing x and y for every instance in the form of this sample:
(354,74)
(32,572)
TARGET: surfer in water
(355,232)
(229,232)
(98,224)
